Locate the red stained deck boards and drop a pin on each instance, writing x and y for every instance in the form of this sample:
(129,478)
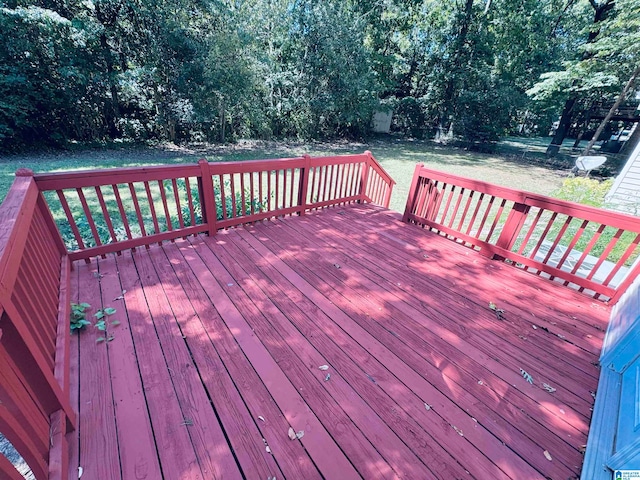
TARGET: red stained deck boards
(220,341)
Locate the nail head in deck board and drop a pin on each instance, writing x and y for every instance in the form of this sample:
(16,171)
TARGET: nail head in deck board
(209,443)
(99,455)
(330,460)
(175,449)
(138,451)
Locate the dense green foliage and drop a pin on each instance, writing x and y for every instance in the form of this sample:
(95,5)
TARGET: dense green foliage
(217,70)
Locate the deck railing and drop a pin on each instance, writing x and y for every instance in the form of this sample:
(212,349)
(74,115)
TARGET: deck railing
(35,412)
(593,250)
(104,211)
(52,219)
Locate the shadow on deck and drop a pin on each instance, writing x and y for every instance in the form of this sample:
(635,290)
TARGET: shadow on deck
(222,342)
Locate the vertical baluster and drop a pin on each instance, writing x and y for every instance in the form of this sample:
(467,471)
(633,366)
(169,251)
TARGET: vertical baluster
(176,199)
(87,213)
(70,219)
(542,237)
(252,195)
(261,198)
(269,190)
(223,198)
(165,205)
(466,210)
(487,210)
(293,183)
(136,205)
(277,199)
(192,212)
(627,254)
(234,208)
(243,196)
(105,213)
(123,215)
(496,220)
(455,209)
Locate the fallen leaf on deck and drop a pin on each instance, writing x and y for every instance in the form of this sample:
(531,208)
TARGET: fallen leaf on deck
(534,327)
(498,311)
(526,376)
(100,339)
(582,449)
(547,455)
(268,449)
(80,472)
(336,265)
(261,418)
(328,377)
(427,406)
(324,367)
(548,388)
(458,430)
(292,433)
(300,434)
(480,382)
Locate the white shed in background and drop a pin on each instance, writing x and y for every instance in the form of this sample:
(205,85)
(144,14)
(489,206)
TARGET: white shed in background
(624,195)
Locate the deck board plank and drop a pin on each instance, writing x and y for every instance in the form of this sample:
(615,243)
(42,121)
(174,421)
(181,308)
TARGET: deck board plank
(328,457)
(352,420)
(576,385)
(228,332)
(260,392)
(175,449)
(138,451)
(240,427)
(454,416)
(99,454)
(207,437)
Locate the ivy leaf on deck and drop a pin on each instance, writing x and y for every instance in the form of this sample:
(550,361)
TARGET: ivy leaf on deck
(101,325)
(100,339)
(109,311)
(526,376)
(99,314)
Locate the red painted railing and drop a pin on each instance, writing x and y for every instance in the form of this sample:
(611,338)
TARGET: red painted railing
(593,250)
(104,211)
(35,412)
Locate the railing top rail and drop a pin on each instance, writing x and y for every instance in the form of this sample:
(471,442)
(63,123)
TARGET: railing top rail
(381,171)
(611,218)
(91,178)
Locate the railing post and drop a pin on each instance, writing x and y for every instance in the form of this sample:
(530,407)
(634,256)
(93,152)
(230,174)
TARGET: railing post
(207,199)
(411,198)
(303,187)
(364,178)
(513,226)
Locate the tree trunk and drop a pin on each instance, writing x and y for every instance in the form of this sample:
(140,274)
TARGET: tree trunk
(612,110)
(601,11)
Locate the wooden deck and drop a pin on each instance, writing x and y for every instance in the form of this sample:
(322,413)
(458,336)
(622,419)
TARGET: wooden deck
(220,341)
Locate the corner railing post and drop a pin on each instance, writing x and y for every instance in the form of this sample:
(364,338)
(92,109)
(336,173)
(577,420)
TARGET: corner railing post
(512,227)
(364,179)
(412,193)
(207,199)
(304,185)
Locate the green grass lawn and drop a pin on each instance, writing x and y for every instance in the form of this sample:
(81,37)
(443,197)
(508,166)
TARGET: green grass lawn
(398,157)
